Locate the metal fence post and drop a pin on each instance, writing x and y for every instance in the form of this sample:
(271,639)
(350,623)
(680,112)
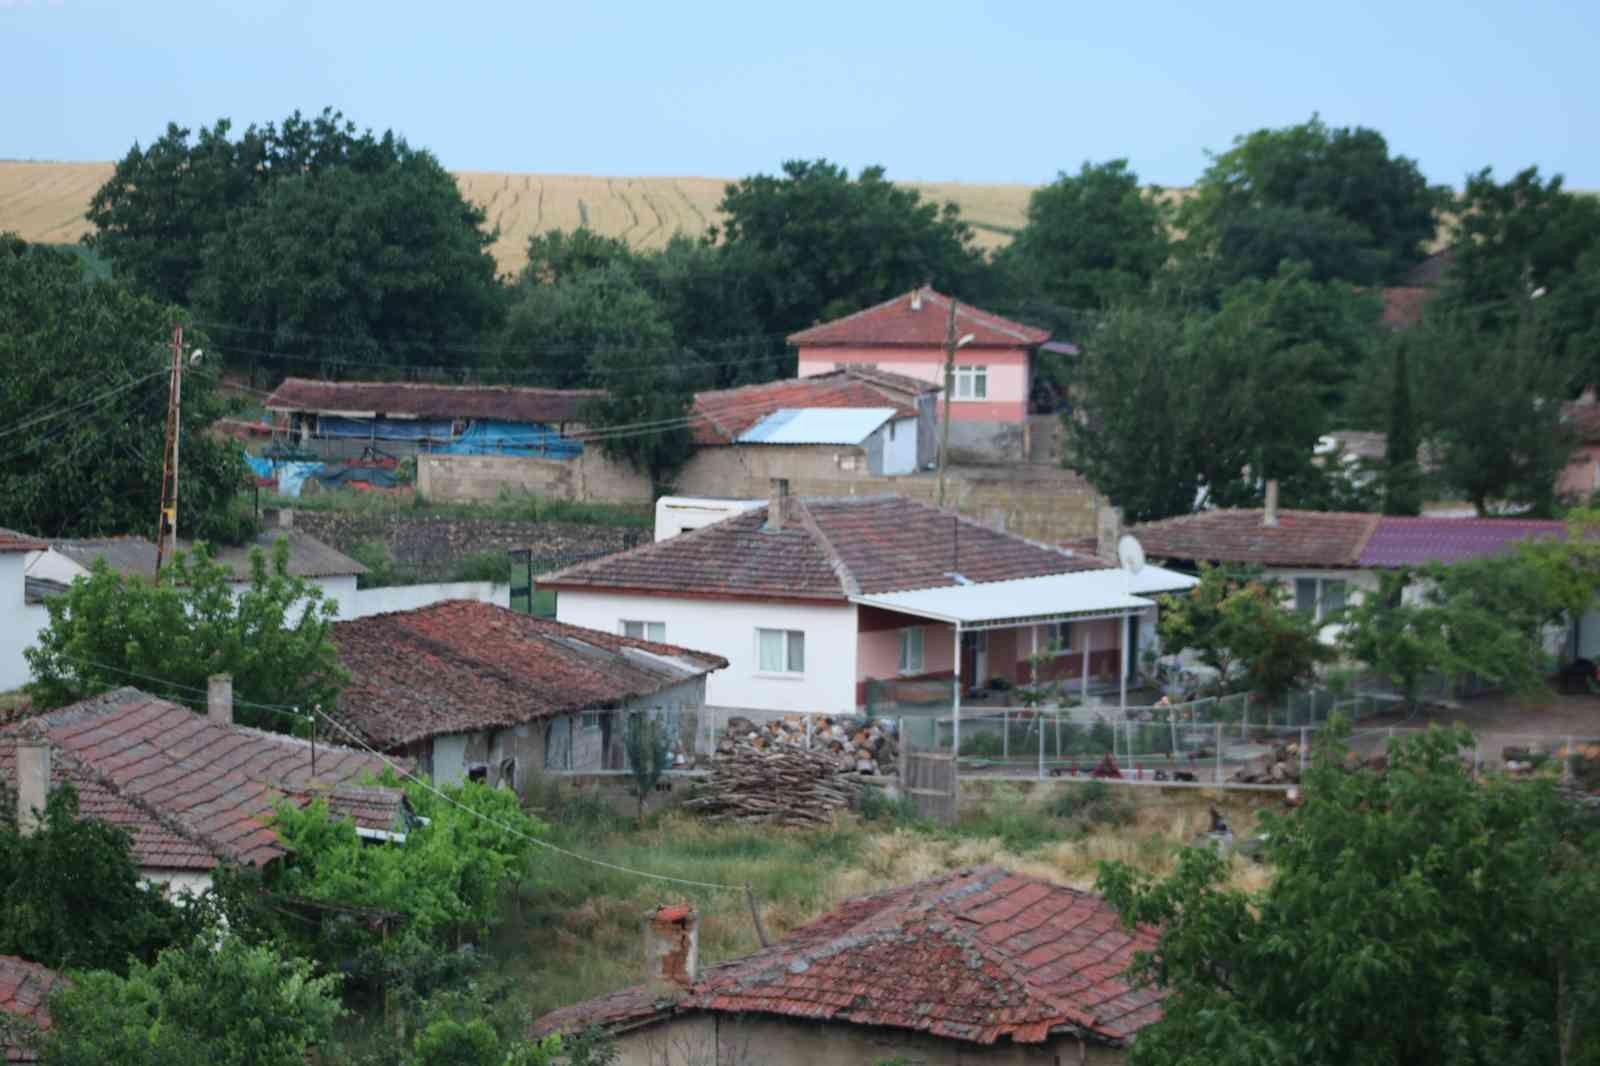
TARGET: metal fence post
(1566,763)
(1039,720)
(810,727)
(1217,755)
(1302,748)
(1005,734)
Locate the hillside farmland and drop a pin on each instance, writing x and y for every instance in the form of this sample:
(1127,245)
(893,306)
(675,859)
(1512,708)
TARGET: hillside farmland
(45,202)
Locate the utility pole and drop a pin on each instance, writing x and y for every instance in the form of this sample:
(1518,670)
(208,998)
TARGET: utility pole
(949,387)
(167,525)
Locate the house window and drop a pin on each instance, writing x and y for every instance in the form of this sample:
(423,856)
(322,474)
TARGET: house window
(911,650)
(1058,637)
(972,383)
(590,720)
(656,631)
(781,651)
(1319,597)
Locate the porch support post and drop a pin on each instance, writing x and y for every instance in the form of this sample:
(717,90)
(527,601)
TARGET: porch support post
(955,707)
(1122,698)
(1033,682)
(1083,683)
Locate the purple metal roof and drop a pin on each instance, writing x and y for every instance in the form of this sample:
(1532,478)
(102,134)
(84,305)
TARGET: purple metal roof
(1415,541)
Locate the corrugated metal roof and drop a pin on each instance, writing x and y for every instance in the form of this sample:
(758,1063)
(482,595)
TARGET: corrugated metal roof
(1052,596)
(818,425)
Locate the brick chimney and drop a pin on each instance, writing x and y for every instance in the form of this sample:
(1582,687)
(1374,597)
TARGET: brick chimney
(1107,531)
(778,504)
(33,782)
(1269,514)
(672,946)
(219,699)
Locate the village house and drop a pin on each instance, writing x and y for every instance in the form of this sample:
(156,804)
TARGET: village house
(811,600)
(994,367)
(976,966)
(472,690)
(57,564)
(1327,559)
(19,605)
(194,792)
(25,991)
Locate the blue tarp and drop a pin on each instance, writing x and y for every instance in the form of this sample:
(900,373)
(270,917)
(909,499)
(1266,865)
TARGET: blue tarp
(259,465)
(292,475)
(385,428)
(512,438)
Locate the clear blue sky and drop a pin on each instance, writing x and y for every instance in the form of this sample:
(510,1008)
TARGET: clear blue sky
(973,92)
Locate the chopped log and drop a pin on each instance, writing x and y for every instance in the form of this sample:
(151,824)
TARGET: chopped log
(777,784)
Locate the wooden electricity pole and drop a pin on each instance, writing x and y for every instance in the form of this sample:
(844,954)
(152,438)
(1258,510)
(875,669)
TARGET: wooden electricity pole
(167,525)
(949,387)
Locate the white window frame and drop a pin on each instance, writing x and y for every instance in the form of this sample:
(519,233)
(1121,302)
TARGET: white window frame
(1320,611)
(789,640)
(1054,638)
(644,630)
(913,657)
(968,378)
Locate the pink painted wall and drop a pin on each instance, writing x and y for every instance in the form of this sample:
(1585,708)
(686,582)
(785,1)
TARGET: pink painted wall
(1008,383)
(878,651)
(1582,475)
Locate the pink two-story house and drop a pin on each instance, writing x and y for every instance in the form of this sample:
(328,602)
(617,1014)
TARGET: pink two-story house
(907,335)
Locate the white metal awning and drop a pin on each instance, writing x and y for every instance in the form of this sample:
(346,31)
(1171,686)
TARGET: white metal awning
(1033,600)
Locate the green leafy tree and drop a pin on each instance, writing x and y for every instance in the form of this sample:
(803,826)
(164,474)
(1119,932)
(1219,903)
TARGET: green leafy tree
(1238,624)
(556,330)
(1336,198)
(84,392)
(70,894)
(213,1002)
(388,266)
(1403,640)
(108,631)
(822,243)
(1402,471)
(648,743)
(555,256)
(1493,405)
(1090,236)
(1415,916)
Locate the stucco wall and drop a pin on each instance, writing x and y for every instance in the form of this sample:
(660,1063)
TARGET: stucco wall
(178,884)
(1008,382)
(20,622)
(590,477)
(899,441)
(730,1040)
(1581,478)
(366,602)
(728,628)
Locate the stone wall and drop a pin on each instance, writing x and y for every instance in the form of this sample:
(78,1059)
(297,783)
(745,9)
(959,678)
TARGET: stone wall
(429,542)
(1045,502)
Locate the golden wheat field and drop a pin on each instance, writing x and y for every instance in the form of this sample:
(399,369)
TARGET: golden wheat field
(45,202)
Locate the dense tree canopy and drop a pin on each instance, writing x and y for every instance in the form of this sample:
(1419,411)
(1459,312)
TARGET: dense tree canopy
(1239,624)
(1416,916)
(1090,237)
(108,630)
(83,398)
(823,244)
(1336,198)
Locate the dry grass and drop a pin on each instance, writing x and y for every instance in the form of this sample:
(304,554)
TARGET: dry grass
(578,933)
(45,202)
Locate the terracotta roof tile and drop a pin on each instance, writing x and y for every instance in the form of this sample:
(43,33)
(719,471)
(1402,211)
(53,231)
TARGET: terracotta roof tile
(12,541)
(25,991)
(1584,418)
(461,666)
(191,793)
(931,957)
(902,322)
(1403,304)
(502,402)
(1331,539)
(726,413)
(875,543)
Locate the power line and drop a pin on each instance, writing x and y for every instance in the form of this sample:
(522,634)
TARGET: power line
(74,405)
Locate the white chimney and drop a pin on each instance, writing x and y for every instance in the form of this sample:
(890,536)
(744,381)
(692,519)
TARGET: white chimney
(33,782)
(1108,530)
(778,504)
(219,699)
(916,299)
(672,946)
(1269,515)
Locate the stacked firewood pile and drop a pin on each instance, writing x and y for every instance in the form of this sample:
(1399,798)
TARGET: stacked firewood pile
(1280,766)
(861,745)
(779,784)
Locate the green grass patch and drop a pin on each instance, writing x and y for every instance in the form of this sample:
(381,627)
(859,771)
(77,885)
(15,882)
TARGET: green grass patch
(507,508)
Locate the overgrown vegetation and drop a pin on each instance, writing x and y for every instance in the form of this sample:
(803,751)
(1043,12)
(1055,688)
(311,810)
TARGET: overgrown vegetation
(506,508)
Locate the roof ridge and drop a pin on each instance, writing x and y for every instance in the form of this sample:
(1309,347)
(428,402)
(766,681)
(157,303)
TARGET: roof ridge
(649,547)
(1008,326)
(1366,536)
(841,569)
(891,301)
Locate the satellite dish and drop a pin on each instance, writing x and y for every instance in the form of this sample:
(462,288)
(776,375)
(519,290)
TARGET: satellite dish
(1131,552)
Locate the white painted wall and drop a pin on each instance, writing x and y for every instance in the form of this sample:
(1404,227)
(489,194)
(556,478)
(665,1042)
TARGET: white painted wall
(20,622)
(178,884)
(679,514)
(728,628)
(900,449)
(450,758)
(364,602)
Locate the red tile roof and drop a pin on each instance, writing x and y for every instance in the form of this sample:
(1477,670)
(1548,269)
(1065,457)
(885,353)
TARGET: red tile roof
(830,549)
(25,990)
(724,414)
(1403,304)
(980,955)
(502,402)
(907,321)
(1331,539)
(12,541)
(1584,418)
(1415,541)
(462,666)
(190,792)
